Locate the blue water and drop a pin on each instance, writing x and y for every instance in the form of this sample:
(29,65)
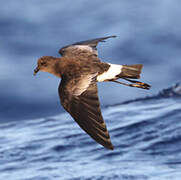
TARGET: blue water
(145,132)
(39,141)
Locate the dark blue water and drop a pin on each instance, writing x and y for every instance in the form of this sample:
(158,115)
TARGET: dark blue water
(145,132)
(39,141)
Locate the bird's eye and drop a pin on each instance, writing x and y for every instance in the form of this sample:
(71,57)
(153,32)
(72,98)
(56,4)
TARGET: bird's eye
(43,63)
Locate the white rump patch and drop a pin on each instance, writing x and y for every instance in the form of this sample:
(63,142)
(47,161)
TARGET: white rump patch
(111,73)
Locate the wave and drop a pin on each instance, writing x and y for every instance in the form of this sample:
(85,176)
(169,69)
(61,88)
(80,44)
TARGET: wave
(170,92)
(145,132)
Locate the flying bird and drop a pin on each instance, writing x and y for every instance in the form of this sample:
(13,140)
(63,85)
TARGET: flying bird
(80,69)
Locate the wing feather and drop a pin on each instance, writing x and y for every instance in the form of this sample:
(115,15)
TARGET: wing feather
(85,109)
(83,48)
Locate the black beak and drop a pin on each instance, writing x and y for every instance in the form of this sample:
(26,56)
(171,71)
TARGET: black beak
(36,70)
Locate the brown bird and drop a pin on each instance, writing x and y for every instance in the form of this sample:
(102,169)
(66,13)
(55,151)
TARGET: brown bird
(80,69)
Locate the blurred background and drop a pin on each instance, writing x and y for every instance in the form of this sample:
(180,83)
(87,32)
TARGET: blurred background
(149,32)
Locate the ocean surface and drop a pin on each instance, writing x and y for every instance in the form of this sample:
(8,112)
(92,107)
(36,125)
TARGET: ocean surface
(145,132)
(39,141)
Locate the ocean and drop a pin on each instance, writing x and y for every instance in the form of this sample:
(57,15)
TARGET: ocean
(145,132)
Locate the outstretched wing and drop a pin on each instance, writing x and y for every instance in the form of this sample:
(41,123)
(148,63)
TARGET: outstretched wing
(83,48)
(79,97)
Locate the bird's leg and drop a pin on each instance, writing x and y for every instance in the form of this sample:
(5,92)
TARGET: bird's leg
(137,84)
(141,84)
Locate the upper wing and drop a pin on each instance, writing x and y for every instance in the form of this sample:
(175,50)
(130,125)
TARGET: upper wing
(83,48)
(80,99)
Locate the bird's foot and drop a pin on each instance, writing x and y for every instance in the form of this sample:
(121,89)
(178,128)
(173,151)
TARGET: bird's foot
(140,85)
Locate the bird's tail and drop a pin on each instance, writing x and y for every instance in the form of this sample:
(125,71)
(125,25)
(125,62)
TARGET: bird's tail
(131,71)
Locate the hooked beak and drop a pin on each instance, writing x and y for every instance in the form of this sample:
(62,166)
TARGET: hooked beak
(36,70)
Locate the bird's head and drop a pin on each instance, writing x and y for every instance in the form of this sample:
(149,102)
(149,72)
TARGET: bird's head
(46,64)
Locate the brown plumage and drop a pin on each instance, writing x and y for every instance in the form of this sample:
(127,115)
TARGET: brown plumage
(80,69)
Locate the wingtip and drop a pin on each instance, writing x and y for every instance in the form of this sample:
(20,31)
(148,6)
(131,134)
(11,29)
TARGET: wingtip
(112,36)
(111,148)
(104,38)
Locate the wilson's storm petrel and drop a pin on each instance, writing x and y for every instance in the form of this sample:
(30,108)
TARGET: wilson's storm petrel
(80,69)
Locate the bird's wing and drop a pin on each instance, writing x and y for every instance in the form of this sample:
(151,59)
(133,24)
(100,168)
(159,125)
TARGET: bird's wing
(79,97)
(83,48)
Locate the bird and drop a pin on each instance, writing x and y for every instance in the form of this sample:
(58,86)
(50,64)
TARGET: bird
(80,69)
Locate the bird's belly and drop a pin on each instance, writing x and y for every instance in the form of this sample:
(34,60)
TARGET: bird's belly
(111,73)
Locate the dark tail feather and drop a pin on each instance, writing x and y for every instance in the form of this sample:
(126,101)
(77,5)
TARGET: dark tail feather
(131,71)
